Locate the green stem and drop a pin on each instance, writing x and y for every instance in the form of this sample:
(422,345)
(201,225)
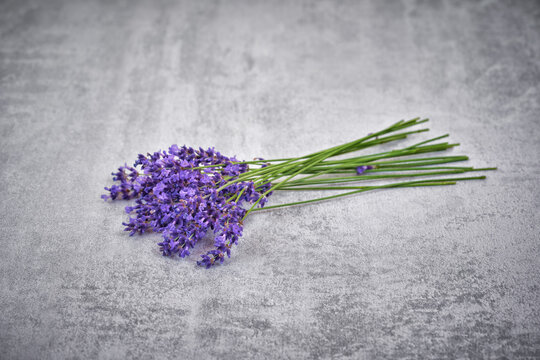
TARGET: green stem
(433,182)
(371,177)
(321,155)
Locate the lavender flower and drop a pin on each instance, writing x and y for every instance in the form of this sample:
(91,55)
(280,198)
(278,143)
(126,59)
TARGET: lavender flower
(176,194)
(361,169)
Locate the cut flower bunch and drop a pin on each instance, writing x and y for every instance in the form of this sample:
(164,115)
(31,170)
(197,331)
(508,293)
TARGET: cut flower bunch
(184,193)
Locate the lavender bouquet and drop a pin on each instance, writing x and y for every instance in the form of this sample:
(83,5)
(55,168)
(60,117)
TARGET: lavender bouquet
(184,193)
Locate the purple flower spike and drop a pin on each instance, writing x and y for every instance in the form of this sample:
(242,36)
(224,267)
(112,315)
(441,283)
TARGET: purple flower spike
(175,198)
(361,169)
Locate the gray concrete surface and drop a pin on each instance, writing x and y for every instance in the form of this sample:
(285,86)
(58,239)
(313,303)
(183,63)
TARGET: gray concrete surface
(418,273)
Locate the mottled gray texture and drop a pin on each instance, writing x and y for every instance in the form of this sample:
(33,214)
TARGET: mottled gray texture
(448,272)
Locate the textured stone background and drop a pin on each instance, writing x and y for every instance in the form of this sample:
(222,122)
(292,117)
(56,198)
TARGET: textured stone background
(448,272)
